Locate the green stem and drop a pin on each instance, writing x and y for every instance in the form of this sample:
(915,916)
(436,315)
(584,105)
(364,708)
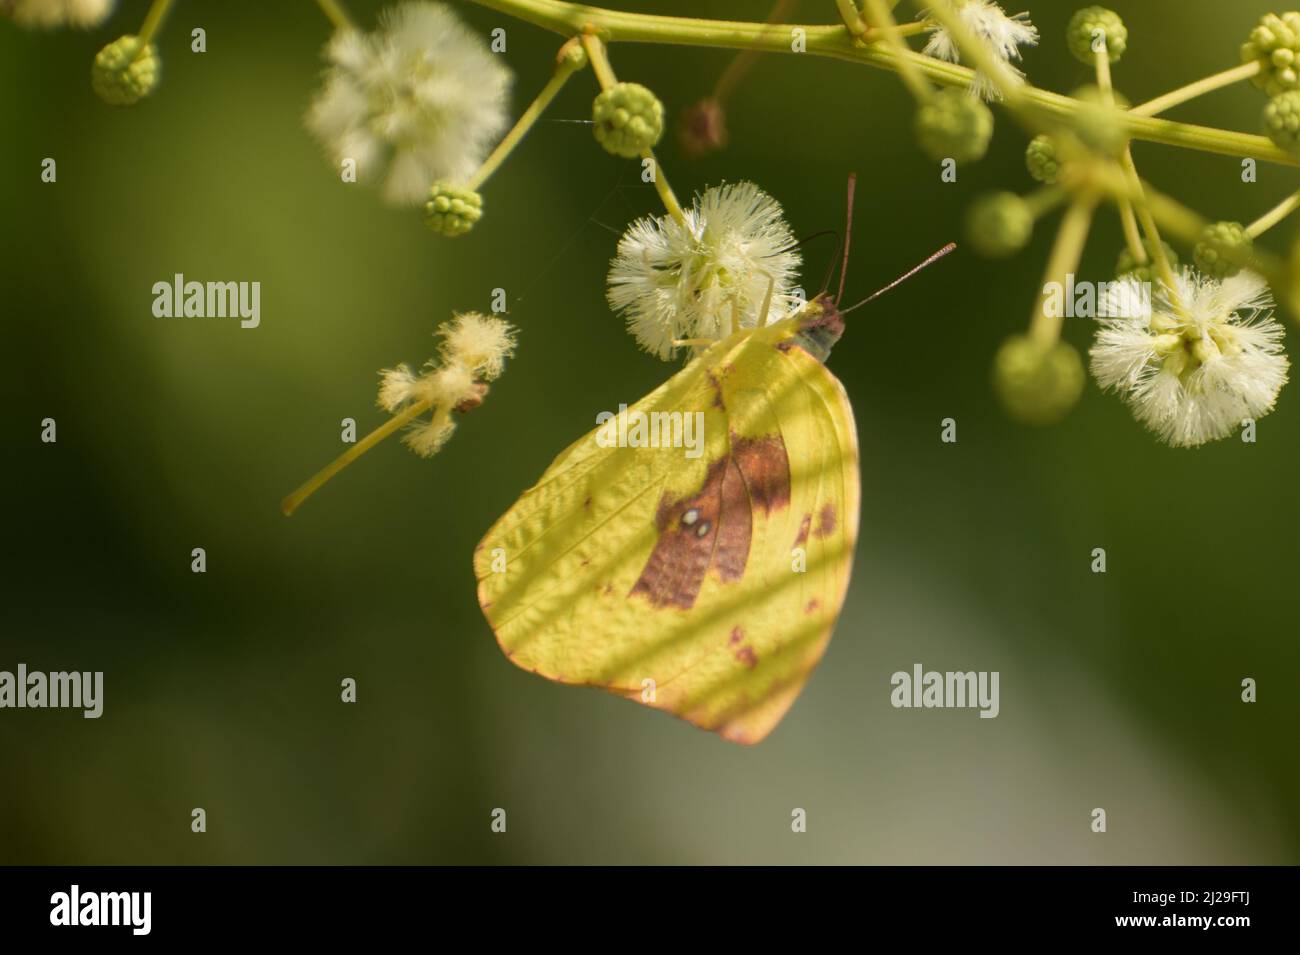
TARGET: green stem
(883,21)
(1067,250)
(1128,221)
(1192,90)
(1010,86)
(743,61)
(600,65)
(321,477)
(1274,216)
(613,26)
(333,9)
(1187,225)
(1152,230)
(1044,200)
(852,17)
(152,21)
(563,71)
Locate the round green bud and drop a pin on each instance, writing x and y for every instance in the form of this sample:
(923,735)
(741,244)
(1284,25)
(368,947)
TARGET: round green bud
(1127,263)
(1275,43)
(452,210)
(1098,124)
(999,224)
(1223,249)
(1038,384)
(573,56)
(123,74)
(1041,161)
(952,124)
(1282,121)
(1091,26)
(629,119)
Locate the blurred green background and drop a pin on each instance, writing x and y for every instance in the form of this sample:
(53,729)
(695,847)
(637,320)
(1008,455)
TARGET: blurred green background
(1119,691)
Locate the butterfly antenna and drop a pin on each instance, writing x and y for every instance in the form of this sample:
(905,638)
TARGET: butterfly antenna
(902,278)
(830,266)
(808,238)
(848,235)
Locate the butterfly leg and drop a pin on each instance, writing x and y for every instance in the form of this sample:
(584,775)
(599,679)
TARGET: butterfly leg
(767,301)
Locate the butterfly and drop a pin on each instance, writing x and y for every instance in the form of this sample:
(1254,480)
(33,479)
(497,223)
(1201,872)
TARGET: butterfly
(706,586)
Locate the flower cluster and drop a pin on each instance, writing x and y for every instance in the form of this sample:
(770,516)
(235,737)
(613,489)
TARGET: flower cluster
(124,73)
(48,14)
(1206,360)
(1003,35)
(419,106)
(472,352)
(711,272)
(420,99)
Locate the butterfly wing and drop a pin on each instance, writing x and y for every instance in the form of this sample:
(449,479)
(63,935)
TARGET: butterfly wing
(706,586)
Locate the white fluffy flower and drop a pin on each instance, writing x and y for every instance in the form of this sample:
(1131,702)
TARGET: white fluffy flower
(1003,35)
(706,276)
(56,13)
(420,99)
(1194,370)
(474,350)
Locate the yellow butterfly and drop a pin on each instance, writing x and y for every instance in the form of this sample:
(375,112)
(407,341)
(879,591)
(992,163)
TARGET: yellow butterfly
(703,585)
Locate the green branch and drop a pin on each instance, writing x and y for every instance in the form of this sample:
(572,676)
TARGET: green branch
(835,42)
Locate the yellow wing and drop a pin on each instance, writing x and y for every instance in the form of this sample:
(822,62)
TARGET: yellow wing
(706,586)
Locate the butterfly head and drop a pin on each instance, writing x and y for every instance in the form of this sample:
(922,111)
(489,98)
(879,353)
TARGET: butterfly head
(820,326)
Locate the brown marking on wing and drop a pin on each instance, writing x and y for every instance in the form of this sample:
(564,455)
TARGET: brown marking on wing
(826,522)
(755,474)
(735,525)
(675,570)
(804,527)
(716,383)
(747,656)
(812,605)
(766,469)
(737,635)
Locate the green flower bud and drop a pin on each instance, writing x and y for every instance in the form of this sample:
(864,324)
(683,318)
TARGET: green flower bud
(1282,121)
(999,224)
(1098,124)
(123,74)
(952,124)
(1083,27)
(452,210)
(1037,384)
(1041,161)
(573,56)
(1127,264)
(1275,43)
(1224,248)
(629,119)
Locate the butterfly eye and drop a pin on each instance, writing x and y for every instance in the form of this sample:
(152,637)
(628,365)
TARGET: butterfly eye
(690,517)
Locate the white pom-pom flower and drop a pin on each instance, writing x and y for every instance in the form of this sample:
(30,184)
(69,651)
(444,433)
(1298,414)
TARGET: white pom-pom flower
(48,14)
(707,275)
(420,99)
(1194,368)
(1003,35)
